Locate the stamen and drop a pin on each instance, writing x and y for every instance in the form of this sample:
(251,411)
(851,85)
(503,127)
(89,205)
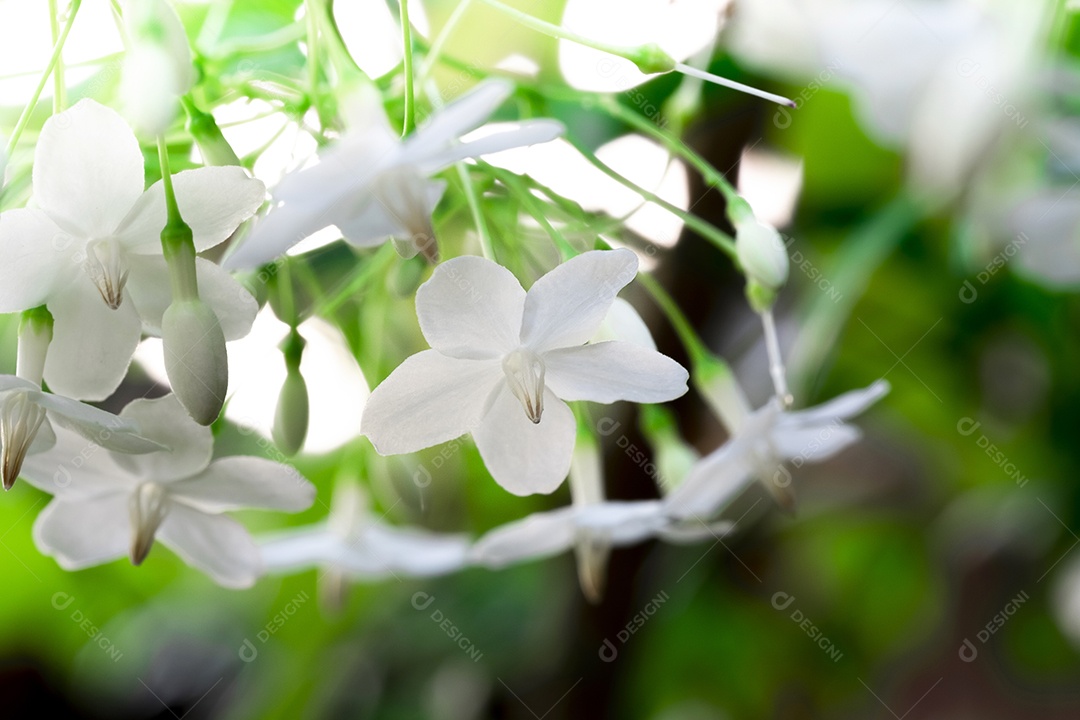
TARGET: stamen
(19,422)
(107,269)
(525,375)
(148,507)
(716,79)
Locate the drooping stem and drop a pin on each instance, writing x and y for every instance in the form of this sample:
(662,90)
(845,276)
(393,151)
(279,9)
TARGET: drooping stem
(177,239)
(776,361)
(474,207)
(725,82)
(59,89)
(58,47)
(407,69)
(559,32)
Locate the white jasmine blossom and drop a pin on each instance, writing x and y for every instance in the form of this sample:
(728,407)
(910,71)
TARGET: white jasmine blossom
(91,252)
(157,66)
(373,185)
(504,362)
(108,505)
(354,545)
(769,438)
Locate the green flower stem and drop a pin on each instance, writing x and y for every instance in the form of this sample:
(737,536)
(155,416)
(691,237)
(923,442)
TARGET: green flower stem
(706,230)
(695,347)
(177,240)
(645,126)
(375,266)
(204,130)
(58,48)
(59,89)
(648,58)
(474,207)
(436,47)
(407,70)
(532,206)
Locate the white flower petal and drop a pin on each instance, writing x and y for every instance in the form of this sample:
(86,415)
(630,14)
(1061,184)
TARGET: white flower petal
(524,457)
(88,169)
(274,233)
(213,201)
(624,323)
(566,307)
(611,371)
(92,344)
(462,115)
(540,535)
(815,443)
(75,468)
(234,483)
(428,399)
(530,132)
(103,428)
(842,407)
(471,308)
(299,549)
(84,533)
(215,544)
(370,222)
(165,421)
(35,259)
(409,551)
(623,522)
(712,483)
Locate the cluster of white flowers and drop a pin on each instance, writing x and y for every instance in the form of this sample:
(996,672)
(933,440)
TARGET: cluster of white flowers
(95,263)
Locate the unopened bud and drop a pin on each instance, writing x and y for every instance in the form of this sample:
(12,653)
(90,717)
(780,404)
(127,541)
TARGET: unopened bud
(291,416)
(652,59)
(762,254)
(157,69)
(195,358)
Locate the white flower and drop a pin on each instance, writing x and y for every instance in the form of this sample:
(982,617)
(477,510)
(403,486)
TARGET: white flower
(356,545)
(27,415)
(91,250)
(109,505)
(616,523)
(760,447)
(1047,237)
(373,185)
(503,362)
(157,66)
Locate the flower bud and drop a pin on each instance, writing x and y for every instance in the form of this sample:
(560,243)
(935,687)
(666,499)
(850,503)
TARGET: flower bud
(195,358)
(761,253)
(291,416)
(651,59)
(157,69)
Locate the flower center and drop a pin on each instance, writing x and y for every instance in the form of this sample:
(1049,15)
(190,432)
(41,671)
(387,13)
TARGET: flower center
(148,507)
(403,192)
(106,267)
(19,422)
(525,375)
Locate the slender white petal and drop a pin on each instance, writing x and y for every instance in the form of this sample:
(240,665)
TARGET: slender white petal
(429,399)
(92,344)
(36,259)
(300,549)
(412,551)
(813,444)
(566,306)
(215,544)
(531,132)
(713,483)
(86,532)
(538,536)
(842,407)
(471,308)
(234,483)
(213,201)
(526,457)
(103,428)
(88,169)
(165,421)
(610,371)
(459,117)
